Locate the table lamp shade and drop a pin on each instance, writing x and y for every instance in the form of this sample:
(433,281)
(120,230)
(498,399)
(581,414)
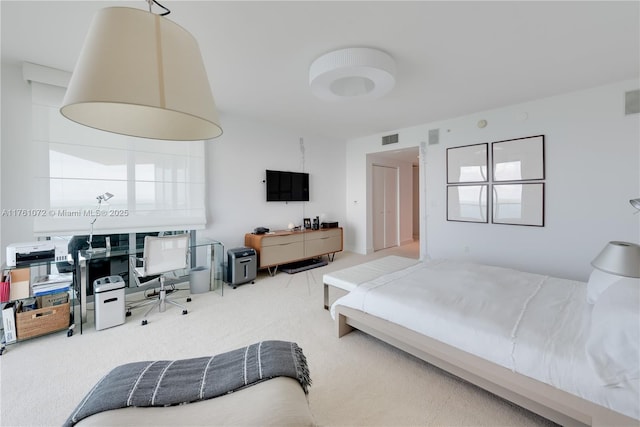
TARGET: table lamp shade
(140,74)
(621,258)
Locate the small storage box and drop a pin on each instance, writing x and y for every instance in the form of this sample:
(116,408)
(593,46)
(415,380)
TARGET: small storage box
(53,299)
(42,321)
(108,294)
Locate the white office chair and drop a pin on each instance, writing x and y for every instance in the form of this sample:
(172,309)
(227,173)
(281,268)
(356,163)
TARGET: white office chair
(162,255)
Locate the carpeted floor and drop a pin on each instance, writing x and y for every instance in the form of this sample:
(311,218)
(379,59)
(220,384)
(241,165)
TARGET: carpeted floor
(357,380)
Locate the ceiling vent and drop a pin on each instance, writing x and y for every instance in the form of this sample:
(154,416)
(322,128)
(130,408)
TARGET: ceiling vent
(632,102)
(390,139)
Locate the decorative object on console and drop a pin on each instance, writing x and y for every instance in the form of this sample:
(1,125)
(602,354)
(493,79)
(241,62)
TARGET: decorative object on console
(329,224)
(316,223)
(307,223)
(352,73)
(101,198)
(160,89)
(620,258)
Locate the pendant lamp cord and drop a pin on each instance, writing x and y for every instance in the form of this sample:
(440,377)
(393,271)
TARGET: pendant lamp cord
(152,2)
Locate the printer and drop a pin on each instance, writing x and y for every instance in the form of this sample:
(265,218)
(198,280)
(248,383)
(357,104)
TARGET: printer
(21,254)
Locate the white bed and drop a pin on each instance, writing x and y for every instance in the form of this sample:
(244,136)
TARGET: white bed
(519,332)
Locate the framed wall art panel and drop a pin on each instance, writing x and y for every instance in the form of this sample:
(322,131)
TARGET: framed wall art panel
(519,159)
(467,203)
(518,204)
(467,164)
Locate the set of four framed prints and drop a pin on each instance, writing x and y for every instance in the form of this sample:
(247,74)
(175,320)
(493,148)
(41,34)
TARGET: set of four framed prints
(511,182)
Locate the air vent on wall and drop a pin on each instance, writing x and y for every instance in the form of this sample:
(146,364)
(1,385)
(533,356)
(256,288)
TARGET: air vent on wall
(390,139)
(632,102)
(434,136)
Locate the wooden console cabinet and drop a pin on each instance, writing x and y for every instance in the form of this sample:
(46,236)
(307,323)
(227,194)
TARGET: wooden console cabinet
(283,247)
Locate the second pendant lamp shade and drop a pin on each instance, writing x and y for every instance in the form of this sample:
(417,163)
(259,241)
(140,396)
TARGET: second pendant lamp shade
(140,74)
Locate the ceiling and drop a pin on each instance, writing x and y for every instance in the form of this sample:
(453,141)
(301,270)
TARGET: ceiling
(452,57)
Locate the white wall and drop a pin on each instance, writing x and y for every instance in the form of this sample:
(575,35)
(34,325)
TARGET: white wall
(592,153)
(236,164)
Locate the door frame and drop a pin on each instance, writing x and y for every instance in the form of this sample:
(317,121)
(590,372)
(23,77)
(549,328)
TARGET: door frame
(385,158)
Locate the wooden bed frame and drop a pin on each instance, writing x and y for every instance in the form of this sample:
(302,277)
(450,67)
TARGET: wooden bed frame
(552,403)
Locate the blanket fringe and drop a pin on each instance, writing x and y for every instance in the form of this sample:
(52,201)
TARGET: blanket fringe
(302,368)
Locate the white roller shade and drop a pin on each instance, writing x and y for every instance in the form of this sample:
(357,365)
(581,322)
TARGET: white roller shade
(158,185)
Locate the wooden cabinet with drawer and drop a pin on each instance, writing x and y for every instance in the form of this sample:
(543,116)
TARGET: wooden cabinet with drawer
(283,247)
(323,242)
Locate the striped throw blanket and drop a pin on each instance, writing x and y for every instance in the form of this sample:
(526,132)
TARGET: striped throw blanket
(166,383)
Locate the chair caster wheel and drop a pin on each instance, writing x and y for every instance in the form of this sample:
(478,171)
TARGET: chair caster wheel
(70,333)
(144,322)
(184,312)
(189,299)
(128,314)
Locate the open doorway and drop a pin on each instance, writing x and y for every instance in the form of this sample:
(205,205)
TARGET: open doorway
(394,204)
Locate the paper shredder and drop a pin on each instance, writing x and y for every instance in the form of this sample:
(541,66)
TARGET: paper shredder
(241,266)
(108,294)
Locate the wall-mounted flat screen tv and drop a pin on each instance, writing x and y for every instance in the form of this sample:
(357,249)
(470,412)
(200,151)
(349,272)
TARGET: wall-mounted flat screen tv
(287,186)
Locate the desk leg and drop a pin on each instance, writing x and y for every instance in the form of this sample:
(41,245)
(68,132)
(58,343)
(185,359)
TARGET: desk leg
(82,273)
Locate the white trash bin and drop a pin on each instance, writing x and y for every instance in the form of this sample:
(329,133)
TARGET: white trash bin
(108,297)
(200,280)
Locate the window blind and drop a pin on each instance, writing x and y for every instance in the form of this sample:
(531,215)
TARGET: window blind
(157,185)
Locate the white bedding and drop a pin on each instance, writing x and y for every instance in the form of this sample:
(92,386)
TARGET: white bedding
(532,324)
(349,278)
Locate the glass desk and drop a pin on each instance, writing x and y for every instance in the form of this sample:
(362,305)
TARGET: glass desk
(203,252)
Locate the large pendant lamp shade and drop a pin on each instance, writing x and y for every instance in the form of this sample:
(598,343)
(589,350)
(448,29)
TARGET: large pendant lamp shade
(140,74)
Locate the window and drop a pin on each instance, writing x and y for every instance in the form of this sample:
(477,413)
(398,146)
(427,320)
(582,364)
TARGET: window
(157,185)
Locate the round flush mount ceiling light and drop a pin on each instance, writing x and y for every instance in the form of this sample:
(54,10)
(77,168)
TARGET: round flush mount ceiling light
(352,73)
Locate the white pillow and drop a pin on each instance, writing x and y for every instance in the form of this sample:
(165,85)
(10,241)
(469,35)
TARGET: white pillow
(613,344)
(599,281)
